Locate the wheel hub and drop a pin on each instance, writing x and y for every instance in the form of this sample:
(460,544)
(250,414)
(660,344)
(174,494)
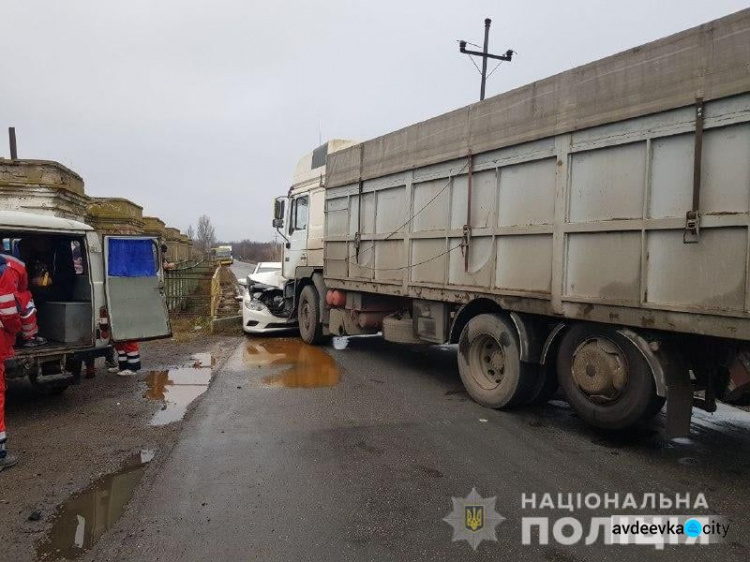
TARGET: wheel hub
(305,315)
(600,370)
(490,358)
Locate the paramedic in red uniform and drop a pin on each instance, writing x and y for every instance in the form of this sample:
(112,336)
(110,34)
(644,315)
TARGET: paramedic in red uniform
(25,302)
(128,359)
(11,325)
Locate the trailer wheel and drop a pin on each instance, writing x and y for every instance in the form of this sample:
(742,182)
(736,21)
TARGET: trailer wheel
(308,315)
(606,378)
(490,365)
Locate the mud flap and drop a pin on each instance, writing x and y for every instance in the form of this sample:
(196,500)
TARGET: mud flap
(679,408)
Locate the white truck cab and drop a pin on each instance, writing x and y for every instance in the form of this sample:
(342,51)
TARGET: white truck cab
(300,216)
(97,290)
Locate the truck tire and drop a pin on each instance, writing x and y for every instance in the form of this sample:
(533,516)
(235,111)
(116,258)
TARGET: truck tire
(308,316)
(606,379)
(489,362)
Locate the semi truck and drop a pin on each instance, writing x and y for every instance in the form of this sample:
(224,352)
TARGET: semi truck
(222,255)
(588,231)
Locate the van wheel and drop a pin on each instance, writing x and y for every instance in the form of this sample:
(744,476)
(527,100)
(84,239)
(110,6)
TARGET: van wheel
(606,378)
(74,367)
(490,365)
(308,316)
(48,389)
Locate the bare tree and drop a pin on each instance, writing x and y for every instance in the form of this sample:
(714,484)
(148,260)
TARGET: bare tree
(190,232)
(206,235)
(251,251)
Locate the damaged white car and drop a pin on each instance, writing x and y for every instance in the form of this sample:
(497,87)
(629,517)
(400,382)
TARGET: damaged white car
(263,301)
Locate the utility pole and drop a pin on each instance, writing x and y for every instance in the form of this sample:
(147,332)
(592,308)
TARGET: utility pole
(12,142)
(485,55)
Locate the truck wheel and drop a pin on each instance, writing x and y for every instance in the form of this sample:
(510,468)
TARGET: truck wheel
(606,378)
(308,315)
(490,365)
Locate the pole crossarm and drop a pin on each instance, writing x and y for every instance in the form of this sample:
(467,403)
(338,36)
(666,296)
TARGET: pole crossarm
(507,57)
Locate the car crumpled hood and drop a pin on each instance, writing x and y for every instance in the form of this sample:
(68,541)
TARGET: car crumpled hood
(269,278)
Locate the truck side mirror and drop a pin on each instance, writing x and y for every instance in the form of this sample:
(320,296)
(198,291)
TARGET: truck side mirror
(278,209)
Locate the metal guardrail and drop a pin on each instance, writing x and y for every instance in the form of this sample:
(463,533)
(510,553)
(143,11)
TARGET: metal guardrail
(189,288)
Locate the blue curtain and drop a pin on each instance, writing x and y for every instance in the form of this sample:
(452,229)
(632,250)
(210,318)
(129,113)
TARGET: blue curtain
(131,258)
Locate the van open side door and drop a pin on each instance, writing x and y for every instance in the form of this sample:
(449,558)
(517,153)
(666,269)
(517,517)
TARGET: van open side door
(135,288)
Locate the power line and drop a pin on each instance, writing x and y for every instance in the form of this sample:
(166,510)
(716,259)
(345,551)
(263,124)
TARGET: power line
(411,218)
(433,258)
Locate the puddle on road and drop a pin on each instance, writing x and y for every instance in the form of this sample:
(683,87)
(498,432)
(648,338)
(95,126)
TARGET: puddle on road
(82,520)
(177,388)
(203,360)
(307,366)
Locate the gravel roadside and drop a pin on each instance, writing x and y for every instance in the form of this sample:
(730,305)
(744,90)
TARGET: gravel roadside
(66,442)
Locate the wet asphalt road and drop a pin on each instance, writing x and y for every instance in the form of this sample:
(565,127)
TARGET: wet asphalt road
(241,269)
(270,468)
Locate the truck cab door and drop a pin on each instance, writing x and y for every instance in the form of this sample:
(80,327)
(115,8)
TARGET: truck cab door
(296,254)
(134,288)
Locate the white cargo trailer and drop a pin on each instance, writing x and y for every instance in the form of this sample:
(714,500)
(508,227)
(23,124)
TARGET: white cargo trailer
(590,228)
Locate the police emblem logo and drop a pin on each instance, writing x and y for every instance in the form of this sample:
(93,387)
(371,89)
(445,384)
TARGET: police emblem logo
(474,519)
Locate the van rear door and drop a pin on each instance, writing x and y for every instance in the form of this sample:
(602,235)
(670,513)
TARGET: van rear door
(135,288)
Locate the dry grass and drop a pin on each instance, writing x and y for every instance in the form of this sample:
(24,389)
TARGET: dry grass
(189,328)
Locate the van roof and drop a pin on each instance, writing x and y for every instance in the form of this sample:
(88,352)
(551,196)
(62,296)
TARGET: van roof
(33,221)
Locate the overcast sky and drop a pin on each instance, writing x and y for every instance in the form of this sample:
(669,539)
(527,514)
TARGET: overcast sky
(189,107)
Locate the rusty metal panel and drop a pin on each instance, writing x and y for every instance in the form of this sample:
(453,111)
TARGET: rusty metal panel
(707,275)
(671,186)
(604,265)
(337,217)
(483,197)
(608,183)
(391,212)
(430,260)
(366,219)
(389,260)
(524,263)
(335,262)
(726,170)
(527,193)
(362,265)
(481,260)
(431,205)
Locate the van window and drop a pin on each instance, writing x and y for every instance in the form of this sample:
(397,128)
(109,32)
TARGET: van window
(75,248)
(132,258)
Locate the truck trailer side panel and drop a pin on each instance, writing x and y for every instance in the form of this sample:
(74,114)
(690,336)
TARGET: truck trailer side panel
(588,224)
